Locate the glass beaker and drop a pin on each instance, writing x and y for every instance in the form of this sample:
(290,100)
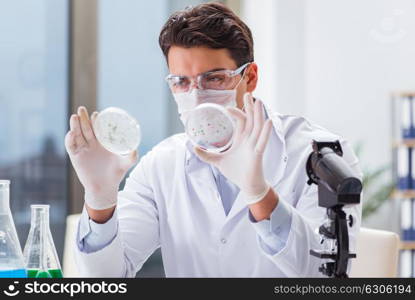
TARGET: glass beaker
(39,252)
(11,257)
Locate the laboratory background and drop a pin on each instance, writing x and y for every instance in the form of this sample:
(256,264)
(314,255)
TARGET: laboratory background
(345,65)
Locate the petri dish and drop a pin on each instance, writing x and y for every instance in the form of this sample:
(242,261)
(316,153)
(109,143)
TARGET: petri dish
(211,127)
(117,131)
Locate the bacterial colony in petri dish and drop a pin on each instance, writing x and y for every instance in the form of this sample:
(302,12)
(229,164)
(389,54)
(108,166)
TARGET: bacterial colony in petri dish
(117,131)
(210,127)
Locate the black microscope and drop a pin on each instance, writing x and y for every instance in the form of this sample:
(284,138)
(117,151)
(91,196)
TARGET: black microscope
(338,186)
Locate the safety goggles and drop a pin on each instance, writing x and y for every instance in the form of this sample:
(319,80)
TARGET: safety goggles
(212,80)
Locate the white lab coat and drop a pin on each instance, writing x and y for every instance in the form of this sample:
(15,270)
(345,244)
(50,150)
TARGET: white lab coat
(166,203)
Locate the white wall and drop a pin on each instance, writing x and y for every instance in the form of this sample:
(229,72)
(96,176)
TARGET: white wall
(357,52)
(336,62)
(278,31)
(265,47)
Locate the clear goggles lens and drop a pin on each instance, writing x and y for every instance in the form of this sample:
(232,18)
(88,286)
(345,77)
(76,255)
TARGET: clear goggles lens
(216,80)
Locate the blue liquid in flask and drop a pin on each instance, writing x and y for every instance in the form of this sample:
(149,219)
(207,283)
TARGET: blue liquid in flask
(16,273)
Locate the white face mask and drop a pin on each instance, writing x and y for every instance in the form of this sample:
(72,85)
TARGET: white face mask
(186,102)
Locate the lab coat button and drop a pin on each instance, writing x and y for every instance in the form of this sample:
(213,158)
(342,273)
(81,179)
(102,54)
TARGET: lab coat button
(223,240)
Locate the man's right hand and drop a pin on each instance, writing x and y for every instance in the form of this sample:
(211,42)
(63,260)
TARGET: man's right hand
(99,171)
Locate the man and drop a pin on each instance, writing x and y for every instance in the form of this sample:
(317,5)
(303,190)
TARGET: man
(244,212)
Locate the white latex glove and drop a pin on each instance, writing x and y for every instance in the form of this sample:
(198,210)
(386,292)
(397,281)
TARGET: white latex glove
(242,162)
(99,170)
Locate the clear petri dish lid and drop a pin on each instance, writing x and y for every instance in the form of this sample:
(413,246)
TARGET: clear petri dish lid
(211,127)
(117,131)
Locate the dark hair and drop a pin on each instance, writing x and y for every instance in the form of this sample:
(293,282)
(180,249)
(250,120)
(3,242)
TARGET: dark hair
(212,25)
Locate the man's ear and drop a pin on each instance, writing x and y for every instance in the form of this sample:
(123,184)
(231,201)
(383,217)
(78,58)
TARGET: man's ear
(251,74)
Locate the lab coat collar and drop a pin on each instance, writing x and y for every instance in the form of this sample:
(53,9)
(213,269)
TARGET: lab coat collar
(274,163)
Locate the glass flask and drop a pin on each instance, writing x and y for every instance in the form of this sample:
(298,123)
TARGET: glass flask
(39,252)
(11,257)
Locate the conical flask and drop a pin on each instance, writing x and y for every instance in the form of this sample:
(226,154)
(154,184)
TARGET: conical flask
(11,257)
(39,252)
